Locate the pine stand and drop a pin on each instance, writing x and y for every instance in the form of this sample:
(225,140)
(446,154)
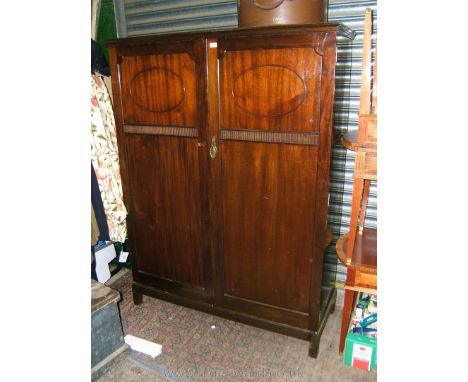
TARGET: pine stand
(357,250)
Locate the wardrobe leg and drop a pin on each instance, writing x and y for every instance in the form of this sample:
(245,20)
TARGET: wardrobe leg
(314,345)
(137,297)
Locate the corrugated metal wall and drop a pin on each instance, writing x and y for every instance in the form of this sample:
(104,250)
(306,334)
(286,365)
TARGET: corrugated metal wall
(168,16)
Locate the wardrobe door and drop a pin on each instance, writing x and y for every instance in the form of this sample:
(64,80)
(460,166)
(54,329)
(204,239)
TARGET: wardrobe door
(161,100)
(269,94)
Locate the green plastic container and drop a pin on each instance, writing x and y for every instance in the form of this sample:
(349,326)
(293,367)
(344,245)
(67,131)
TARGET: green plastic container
(360,352)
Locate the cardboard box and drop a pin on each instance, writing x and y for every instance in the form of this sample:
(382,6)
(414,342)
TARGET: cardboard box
(104,255)
(360,351)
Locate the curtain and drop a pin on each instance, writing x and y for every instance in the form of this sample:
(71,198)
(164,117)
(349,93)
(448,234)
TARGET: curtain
(105,159)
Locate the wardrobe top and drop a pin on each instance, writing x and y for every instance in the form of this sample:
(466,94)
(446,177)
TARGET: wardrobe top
(339,28)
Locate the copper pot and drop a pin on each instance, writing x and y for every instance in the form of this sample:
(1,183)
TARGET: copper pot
(272,12)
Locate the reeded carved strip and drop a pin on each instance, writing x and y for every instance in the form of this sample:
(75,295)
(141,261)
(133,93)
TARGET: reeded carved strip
(175,131)
(308,139)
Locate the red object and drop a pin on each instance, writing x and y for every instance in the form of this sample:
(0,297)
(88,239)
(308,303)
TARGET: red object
(360,363)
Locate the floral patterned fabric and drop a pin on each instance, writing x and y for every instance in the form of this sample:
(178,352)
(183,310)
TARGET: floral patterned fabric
(105,159)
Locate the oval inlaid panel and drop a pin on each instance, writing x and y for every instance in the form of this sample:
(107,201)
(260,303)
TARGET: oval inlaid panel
(269,90)
(157,89)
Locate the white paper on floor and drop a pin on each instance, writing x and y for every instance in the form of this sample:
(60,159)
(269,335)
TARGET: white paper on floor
(143,346)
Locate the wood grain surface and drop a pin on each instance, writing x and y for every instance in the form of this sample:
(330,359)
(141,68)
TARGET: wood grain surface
(240,231)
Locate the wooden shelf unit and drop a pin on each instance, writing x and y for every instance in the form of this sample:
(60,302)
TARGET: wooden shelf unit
(357,249)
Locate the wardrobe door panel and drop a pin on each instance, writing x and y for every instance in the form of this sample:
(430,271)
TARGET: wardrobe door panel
(162,123)
(269,131)
(270,89)
(159,89)
(267,222)
(165,184)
